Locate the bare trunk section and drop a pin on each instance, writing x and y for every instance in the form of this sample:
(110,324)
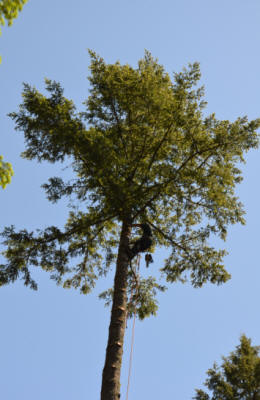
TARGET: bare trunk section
(110,389)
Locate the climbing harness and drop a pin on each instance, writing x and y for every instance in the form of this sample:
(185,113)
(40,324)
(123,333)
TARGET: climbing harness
(133,327)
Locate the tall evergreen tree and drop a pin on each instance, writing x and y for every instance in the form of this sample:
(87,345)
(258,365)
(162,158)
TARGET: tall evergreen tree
(141,151)
(238,378)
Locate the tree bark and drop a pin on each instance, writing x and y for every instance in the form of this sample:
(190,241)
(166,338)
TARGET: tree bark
(110,389)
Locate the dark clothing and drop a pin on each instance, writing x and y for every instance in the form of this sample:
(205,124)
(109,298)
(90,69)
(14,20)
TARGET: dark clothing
(146,230)
(144,243)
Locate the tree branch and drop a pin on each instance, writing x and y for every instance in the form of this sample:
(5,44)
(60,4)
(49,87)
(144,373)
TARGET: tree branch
(118,127)
(165,184)
(156,151)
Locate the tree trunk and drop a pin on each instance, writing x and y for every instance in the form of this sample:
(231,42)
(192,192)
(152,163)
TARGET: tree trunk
(110,389)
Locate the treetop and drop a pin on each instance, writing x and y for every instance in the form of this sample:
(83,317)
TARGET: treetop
(237,378)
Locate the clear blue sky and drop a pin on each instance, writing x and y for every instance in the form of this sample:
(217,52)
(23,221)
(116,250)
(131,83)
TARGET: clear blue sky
(53,341)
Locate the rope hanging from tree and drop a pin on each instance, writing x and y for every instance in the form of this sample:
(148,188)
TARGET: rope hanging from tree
(136,272)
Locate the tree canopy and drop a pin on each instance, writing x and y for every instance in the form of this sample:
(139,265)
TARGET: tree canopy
(238,378)
(141,150)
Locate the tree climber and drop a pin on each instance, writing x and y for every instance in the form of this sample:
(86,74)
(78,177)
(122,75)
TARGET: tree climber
(143,244)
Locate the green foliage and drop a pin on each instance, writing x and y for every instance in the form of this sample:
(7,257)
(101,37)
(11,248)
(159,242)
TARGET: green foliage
(6,172)
(140,150)
(141,296)
(9,10)
(238,377)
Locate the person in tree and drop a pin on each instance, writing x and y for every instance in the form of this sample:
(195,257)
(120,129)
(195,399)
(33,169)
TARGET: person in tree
(143,243)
